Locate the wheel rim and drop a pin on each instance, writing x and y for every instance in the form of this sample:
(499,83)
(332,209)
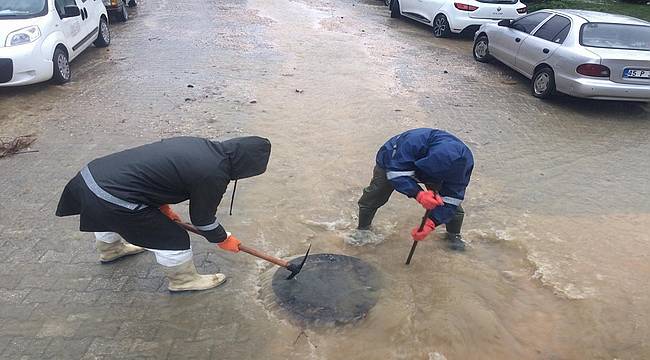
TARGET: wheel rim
(541,83)
(439,26)
(481,49)
(63,65)
(106,35)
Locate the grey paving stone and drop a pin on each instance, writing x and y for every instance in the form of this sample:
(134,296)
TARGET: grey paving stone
(108,347)
(191,349)
(25,346)
(151,284)
(155,349)
(60,348)
(44,296)
(14,327)
(52,256)
(59,328)
(18,312)
(11,296)
(114,283)
(98,328)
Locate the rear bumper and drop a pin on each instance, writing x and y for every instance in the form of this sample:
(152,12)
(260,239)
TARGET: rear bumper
(464,23)
(23,65)
(603,89)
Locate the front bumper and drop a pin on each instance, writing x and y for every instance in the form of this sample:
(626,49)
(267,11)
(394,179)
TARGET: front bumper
(465,23)
(603,89)
(28,65)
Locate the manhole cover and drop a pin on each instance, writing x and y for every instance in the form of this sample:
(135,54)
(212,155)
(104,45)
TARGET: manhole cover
(330,290)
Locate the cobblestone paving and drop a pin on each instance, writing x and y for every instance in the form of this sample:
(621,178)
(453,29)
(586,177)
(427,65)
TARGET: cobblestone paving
(179,67)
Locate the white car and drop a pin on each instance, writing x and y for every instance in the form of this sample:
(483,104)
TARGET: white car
(456,16)
(580,53)
(39,38)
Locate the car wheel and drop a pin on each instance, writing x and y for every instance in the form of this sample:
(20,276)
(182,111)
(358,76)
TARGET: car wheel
(62,73)
(394,9)
(543,85)
(123,15)
(481,49)
(104,36)
(441,27)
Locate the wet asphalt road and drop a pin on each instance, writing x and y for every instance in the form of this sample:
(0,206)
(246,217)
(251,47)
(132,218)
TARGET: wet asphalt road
(558,209)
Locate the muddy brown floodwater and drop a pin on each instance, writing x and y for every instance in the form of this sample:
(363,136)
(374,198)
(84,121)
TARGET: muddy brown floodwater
(558,211)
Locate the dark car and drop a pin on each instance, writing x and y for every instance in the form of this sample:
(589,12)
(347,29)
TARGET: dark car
(117,9)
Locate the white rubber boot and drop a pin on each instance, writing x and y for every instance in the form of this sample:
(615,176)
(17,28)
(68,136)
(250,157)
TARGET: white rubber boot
(112,251)
(184,277)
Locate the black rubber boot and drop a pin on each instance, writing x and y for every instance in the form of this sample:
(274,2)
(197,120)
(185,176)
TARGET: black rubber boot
(365,218)
(456,242)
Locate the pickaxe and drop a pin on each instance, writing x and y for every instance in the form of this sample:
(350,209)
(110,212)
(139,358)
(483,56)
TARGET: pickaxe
(294,268)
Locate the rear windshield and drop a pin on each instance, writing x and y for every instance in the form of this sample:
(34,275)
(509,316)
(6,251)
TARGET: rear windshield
(22,8)
(498,1)
(616,36)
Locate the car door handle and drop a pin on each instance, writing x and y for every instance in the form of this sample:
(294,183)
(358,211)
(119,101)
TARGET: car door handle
(83,15)
(517,39)
(546,51)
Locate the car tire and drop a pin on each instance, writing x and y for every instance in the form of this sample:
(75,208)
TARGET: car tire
(481,49)
(394,9)
(543,84)
(61,64)
(123,14)
(441,28)
(104,36)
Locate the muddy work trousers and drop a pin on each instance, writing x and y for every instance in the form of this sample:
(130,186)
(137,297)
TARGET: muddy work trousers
(377,194)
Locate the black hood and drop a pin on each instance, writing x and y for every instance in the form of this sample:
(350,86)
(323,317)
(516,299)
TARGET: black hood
(249,156)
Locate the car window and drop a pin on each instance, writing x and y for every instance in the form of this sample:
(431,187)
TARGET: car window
(530,22)
(616,36)
(555,29)
(61,4)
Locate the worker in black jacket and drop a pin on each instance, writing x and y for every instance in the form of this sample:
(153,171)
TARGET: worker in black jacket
(126,196)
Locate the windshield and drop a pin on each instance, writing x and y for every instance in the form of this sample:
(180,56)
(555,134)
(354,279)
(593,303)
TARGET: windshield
(22,8)
(616,36)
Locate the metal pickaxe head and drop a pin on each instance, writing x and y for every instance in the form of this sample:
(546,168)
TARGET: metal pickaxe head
(295,269)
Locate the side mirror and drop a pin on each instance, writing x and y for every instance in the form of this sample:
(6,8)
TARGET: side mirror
(505,22)
(71,11)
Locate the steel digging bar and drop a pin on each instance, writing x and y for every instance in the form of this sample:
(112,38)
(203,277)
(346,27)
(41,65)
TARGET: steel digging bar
(415,242)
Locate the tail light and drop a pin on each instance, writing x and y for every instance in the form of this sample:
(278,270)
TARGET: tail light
(465,7)
(523,10)
(596,70)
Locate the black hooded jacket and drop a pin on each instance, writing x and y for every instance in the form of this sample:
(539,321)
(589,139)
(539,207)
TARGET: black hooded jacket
(173,170)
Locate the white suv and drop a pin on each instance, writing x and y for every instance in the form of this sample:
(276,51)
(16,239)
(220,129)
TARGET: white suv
(39,38)
(456,16)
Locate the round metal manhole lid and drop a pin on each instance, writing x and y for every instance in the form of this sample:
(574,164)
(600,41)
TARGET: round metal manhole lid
(330,290)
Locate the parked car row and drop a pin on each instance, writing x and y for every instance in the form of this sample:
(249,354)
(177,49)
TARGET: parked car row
(39,38)
(580,53)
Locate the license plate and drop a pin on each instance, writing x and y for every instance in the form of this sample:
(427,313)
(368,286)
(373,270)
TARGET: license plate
(636,73)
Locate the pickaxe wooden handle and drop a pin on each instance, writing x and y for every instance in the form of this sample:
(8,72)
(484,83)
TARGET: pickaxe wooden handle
(246,249)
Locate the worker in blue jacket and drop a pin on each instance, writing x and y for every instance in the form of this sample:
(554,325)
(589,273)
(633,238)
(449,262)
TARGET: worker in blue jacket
(435,158)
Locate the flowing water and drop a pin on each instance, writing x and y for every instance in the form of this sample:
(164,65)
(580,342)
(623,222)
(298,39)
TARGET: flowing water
(557,214)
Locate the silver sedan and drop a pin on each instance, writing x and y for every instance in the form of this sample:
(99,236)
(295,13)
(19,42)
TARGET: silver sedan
(581,53)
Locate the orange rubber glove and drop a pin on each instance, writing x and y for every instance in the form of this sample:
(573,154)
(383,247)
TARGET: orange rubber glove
(429,226)
(230,244)
(167,211)
(428,199)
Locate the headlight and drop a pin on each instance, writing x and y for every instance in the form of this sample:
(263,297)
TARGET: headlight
(23,36)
